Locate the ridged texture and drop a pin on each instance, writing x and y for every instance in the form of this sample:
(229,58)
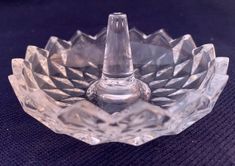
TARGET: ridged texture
(170,67)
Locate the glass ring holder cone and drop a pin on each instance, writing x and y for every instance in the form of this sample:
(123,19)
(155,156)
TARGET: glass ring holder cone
(120,85)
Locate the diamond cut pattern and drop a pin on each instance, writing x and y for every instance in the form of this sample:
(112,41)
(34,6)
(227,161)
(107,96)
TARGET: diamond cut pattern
(178,65)
(185,66)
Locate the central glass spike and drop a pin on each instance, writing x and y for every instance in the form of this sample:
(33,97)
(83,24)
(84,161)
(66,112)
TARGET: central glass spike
(118,86)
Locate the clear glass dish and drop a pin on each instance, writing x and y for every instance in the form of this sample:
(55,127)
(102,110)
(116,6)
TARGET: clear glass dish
(120,85)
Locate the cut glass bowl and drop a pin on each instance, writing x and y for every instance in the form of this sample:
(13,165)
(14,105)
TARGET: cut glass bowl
(120,85)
